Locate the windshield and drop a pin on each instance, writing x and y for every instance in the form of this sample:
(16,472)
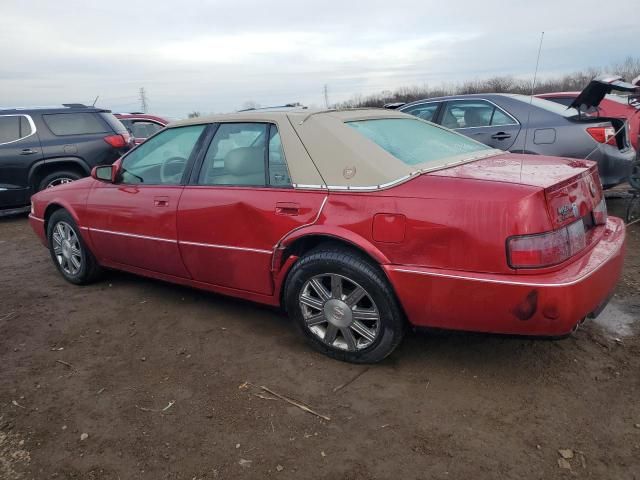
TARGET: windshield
(416,142)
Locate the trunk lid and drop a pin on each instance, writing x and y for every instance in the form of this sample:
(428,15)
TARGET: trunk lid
(594,92)
(572,187)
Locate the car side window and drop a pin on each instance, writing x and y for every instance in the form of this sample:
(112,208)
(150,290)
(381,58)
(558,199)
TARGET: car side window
(161,160)
(143,128)
(474,113)
(241,153)
(500,118)
(14,128)
(278,171)
(62,124)
(425,111)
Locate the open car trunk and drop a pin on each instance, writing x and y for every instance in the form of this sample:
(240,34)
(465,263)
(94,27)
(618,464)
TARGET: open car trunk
(591,96)
(594,92)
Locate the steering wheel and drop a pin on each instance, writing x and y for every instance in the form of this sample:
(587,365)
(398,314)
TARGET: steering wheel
(172,169)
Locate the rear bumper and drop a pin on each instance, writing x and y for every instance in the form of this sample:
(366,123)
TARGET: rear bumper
(549,304)
(614,166)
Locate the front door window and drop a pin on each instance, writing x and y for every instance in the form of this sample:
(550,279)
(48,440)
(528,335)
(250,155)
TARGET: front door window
(161,160)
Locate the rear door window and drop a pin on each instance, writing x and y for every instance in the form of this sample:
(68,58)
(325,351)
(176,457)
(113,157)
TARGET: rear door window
(245,154)
(14,128)
(474,113)
(75,123)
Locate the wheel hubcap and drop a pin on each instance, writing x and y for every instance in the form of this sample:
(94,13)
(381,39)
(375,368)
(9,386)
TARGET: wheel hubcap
(339,312)
(59,181)
(66,248)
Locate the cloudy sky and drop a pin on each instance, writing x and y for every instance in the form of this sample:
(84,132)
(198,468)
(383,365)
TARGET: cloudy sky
(213,56)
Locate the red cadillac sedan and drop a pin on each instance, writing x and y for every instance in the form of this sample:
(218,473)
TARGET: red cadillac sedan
(357,222)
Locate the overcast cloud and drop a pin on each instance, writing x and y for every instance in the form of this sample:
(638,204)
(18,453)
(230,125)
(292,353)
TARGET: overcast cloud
(212,56)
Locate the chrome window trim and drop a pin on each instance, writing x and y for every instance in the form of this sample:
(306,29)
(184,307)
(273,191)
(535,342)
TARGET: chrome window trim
(478,98)
(31,124)
(491,152)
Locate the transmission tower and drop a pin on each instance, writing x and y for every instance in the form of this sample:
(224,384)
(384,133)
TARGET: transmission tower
(143,100)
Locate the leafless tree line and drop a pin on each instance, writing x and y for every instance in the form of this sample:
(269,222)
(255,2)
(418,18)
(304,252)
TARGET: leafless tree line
(576,81)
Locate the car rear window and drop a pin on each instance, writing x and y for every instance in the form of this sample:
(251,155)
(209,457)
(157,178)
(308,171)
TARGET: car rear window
(415,142)
(113,122)
(75,123)
(547,105)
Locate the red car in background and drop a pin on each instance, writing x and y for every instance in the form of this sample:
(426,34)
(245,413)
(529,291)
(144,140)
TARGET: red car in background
(359,222)
(140,125)
(596,100)
(610,106)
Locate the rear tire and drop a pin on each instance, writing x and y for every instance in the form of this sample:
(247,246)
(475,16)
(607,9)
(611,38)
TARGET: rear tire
(58,178)
(344,305)
(69,253)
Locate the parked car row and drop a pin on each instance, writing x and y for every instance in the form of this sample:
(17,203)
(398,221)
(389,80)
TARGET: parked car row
(356,222)
(47,146)
(43,147)
(524,124)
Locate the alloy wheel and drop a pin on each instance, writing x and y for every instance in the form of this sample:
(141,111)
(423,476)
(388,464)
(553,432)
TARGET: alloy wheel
(59,181)
(339,312)
(67,249)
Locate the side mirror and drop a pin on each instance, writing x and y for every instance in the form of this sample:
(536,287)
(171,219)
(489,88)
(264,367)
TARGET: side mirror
(105,173)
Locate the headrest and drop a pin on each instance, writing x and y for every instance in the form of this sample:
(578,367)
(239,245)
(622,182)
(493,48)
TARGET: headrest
(473,117)
(244,161)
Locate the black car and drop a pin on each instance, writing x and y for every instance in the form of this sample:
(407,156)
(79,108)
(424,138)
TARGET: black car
(46,146)
(522,124)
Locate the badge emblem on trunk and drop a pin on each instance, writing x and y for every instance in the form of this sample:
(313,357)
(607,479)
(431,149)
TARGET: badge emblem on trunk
(566,211)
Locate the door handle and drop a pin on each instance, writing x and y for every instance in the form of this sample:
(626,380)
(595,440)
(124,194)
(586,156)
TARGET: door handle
(500,136)
(287,208)
(27,151)
(161,201)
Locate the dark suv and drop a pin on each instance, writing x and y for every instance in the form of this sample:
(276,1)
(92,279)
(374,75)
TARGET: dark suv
(46,146)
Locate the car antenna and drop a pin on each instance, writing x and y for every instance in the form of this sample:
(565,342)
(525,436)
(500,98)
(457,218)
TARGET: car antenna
(95,101)
(533,86)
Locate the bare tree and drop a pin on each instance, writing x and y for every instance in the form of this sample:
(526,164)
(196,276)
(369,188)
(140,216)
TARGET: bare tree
(194,115)
(628,69)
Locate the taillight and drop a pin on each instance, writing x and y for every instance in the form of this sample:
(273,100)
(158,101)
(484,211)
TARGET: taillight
(603,134)
(546,249)
(118,141)
(600,213)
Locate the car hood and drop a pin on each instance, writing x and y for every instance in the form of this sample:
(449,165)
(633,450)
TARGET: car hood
(597,88)
(532,170)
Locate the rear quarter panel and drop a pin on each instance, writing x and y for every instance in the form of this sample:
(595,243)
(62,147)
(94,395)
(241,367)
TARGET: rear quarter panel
(449,223)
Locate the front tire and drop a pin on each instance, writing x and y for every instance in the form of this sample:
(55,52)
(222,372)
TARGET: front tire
(344,305)
(68,251)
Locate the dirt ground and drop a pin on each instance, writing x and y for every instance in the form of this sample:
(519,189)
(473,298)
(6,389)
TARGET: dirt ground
(156,375)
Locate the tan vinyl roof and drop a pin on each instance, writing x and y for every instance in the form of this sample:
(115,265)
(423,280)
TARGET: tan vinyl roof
(321,150)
